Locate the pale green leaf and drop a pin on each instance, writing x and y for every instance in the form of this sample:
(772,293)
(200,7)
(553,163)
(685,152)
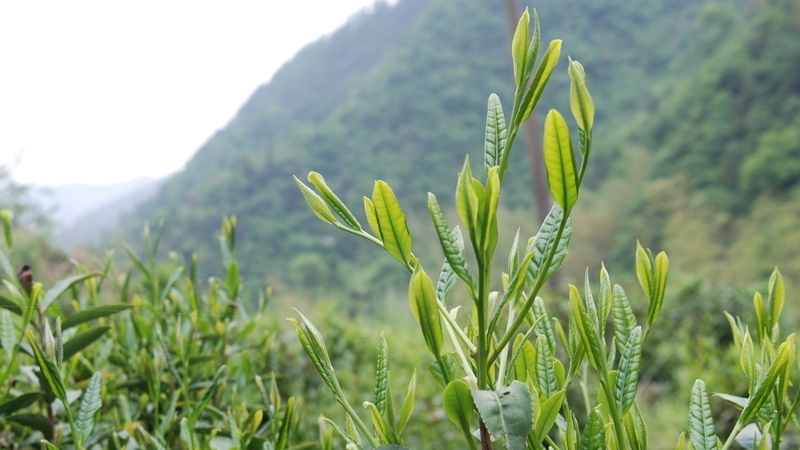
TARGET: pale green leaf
(548,416)
(545,241)
(701,423)
(90,404)
(580,101)
(628,372)
(315,203)
(507,412)
(560,161)
(422,298)
(496,134)
(457,404)
(333,201)
(594,433)
(408,404)
(448,241)
(392,223)
(62,285)
(546,67)
(97,312)
(519,46)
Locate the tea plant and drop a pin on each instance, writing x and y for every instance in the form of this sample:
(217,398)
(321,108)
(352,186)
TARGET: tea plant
(165,365)
(502,377)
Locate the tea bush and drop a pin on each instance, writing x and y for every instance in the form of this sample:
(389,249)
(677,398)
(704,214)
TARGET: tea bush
(508,369)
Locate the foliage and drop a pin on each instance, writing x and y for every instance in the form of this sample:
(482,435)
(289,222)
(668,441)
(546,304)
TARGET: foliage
(496,389)
(153,361)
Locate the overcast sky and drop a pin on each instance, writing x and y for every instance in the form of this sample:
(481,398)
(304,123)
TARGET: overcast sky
(104,92)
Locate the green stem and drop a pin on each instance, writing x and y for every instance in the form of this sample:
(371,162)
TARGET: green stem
(75,441)
(540,280)
(612,407)
(483,342)
(732,437)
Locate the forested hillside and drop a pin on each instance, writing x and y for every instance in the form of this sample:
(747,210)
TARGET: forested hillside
(685,91)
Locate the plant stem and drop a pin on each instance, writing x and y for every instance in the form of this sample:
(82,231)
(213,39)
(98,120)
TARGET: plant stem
(612,407)
(540,280)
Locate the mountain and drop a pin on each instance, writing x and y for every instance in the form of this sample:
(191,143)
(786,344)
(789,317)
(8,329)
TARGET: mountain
(399,93)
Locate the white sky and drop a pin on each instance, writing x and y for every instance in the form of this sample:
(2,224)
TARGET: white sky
(100,92)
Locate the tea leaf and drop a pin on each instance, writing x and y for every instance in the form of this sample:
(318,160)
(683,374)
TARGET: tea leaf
(35,421)
(446,282)
(701,423)
(372,218)
(644,269)
(94,313)
(519,47)
(63,285)
(457,404)
(8,333)
(586,327)
(658,286)
(449,242)
(623,318)
(18,403)
(392,222)
(594,433)
(384,431)
(467,201)
(82,340)
(580,101)
(764,389)
(525,361)
(333,201)
(545,372)
(543,323)
(208,394)
(449,363)
(496,134)
(515,287)
(507,412)
(345,435)
(286,425)
(628,372)
(546,67)
(408,404)
(10,305)
(315,203)
(548,416)
(382,376)
(422,298)
(775,298)
(489,213)
(636,428)
(544,242)
(90,404)
(560,161)
(314,346)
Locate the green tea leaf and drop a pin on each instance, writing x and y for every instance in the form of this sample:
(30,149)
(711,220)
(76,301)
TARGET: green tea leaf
(208,394)
(548,416)
(594,433)
(37,422)
(701,423)
(392,222)
(422,298)
(507,412)
(90,404)
(383,429)
(628,372)
(449,362)
(8,333)
(314,346)
(764,390)
(48,369)
(622,316)
(372,218)
(446,282)
(452,251)
(586,327)
(62,285)
(286,425)
(467,200)
(382,376)
(542,324)
(525,362)
(333,201)
(345,435)
(496,134)
(10,305)
(644,269)
(546,67)
(636,428)
(514,291)
(658,286)
(18,403)
(94,313)
(519,47)
(408,404)
(580,101)
(457,404)
(545,241)
(560,161)
(545,371)
(489,213)
(82,340)
(775,298)
(315,203)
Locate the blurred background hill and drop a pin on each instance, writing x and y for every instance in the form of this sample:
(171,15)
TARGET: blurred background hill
(696,101)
